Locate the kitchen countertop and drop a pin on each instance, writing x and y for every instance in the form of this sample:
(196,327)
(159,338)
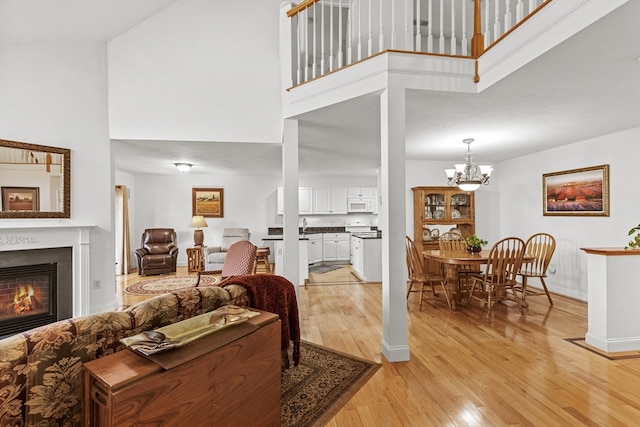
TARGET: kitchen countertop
(366,235)
(281,237)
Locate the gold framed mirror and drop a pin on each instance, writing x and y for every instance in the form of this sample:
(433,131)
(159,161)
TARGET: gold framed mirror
(35,180)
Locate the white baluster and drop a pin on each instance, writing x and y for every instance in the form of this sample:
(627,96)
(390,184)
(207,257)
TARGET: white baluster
(299,48)
(496,24)
(429,25)
(519,11)
(331,52)
(340,52)
(381,35)
(313,50)
(463,43)
(454,48)
(305,28)
(507,16)
(407,32)
(532,5)
(370,42)
(487,32)
(393,25)
(359,30)
(349,35)
(441,40)
(322,60)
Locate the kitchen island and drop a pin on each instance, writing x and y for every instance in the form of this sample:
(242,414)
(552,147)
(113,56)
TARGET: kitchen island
(366,256)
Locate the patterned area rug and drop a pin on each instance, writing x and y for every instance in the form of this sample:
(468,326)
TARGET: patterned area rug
(324,381)
(162,285)
(324,268)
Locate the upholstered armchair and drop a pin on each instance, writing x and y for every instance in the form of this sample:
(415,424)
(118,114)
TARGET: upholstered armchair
(214,255)
(159,251)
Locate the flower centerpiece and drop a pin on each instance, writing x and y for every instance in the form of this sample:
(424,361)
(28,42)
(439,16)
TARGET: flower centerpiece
(635,242)
(474,243)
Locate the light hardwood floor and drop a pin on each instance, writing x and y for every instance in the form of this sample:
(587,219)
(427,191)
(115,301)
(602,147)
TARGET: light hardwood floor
(468,368)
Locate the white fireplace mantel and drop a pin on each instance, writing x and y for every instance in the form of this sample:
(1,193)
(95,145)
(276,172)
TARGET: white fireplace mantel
(40,237)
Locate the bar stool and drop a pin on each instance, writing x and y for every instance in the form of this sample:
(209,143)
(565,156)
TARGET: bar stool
(262,258)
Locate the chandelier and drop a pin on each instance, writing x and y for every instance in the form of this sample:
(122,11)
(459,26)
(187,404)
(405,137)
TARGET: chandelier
(468,176)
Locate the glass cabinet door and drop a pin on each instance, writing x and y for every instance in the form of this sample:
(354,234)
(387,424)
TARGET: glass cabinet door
(460,206)
(434,204)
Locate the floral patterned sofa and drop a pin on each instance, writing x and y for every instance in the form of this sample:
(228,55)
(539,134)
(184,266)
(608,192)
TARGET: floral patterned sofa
(41,375)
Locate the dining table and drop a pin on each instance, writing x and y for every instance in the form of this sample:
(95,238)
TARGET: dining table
(451,261)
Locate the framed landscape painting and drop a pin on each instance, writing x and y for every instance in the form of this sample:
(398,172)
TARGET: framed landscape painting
(578,192)
(21,199)
(208,202)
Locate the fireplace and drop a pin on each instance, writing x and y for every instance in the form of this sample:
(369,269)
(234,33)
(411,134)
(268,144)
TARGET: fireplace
(35,288)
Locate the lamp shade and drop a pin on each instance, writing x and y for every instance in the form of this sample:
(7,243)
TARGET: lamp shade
(198,222)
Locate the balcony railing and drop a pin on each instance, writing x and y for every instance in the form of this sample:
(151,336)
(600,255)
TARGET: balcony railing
(331,34)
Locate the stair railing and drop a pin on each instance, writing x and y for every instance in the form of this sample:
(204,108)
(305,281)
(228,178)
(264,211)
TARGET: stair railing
(330,34)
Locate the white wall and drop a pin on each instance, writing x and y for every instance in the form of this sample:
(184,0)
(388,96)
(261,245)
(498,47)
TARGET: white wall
(520,205)
(178,76)
(56,95)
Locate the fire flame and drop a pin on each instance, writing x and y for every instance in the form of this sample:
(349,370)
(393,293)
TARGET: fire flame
(24,300)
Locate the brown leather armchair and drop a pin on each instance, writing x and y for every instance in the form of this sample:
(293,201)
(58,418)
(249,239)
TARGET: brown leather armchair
(158,253)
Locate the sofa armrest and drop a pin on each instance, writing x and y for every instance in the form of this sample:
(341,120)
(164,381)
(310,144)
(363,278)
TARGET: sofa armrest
(142,252)
(211,249)
(173,251)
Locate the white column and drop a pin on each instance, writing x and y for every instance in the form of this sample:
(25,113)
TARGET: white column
(290,194)
(395,345)
(613,294)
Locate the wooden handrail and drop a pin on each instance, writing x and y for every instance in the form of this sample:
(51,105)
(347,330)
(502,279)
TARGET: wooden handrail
(302,6)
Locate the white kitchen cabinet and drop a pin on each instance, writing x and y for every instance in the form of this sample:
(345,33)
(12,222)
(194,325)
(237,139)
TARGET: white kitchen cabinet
(336,247)
(305,201)
(366,259)
(360,192)
(315,248)
(330,200)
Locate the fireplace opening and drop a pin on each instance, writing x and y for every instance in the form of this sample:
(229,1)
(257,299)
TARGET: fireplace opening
(27,297)
(35,288)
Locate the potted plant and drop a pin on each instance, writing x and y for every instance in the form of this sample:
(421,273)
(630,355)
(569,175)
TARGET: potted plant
(635,242)
(474,243)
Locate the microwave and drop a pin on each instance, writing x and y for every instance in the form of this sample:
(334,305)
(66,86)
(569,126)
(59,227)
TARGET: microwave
(359,205)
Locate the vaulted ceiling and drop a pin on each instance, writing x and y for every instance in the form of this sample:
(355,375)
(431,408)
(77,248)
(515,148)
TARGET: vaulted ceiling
(585,87)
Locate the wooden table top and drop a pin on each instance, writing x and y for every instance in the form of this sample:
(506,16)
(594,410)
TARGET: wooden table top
(464,257)
(458,257)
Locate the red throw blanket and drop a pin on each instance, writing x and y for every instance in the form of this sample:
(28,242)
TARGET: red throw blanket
(275,294)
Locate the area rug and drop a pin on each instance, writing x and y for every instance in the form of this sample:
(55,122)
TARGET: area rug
(162,285)
(324,381)
(324,268)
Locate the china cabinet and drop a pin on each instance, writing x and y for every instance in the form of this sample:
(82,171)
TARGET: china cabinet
(440,209)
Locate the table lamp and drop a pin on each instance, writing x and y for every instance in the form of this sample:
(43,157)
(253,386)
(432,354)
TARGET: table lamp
(198,222)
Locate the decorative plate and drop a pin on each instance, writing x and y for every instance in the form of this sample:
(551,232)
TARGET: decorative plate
(426,234)
(428,214)
(439,214)
(455,213)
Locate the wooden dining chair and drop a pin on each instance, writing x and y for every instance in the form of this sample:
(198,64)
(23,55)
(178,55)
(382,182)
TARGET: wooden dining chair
(453,241)
(541,246)
(503,265)
(417,274)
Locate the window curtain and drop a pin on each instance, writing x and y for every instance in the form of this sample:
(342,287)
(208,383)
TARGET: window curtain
(123,243)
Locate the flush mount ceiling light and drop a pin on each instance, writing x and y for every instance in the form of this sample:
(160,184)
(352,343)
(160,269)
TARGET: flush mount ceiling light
(183,167)
(468,176)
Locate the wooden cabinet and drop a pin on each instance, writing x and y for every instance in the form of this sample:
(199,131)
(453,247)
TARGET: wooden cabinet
(236,383)
(336,247)
(330,200)
(441,208)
